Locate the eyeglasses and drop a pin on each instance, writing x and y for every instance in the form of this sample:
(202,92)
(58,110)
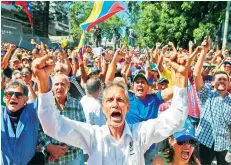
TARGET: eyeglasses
(193,143)
(9,94)
(25,73)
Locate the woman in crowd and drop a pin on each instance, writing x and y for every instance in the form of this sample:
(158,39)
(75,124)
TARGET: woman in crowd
(179,149)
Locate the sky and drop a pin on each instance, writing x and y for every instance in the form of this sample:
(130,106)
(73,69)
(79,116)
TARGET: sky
(124,16)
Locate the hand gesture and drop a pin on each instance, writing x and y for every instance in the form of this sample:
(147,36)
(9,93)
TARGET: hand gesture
(206,45)
(164,49)
(179,62)
(191,44)
(42,67)
(147,64)
(128,58)
(12,47)
(29,83)
(170,44)
(119,54)
(108,55)
(158,44)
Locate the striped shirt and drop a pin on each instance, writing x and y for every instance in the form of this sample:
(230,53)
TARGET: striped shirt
(74,111)
(214,119)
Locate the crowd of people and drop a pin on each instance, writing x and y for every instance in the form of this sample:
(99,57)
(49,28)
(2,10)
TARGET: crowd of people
(165,107)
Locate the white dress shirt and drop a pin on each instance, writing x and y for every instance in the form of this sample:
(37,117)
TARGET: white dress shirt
(92,110)
(97,141)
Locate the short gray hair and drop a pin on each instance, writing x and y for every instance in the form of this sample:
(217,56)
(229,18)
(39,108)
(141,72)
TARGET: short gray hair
(56,75)
(116,84)
(93,85)
(59,65)
(17,83)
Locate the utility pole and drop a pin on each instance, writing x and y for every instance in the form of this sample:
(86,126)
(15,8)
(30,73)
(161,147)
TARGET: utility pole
(225,36)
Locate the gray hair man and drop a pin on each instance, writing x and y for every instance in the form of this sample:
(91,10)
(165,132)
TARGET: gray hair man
(55,151)
(90,102)
(116,142)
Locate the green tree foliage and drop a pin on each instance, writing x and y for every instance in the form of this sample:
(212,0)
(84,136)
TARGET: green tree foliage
(109,25)
(79,12)
(179,21)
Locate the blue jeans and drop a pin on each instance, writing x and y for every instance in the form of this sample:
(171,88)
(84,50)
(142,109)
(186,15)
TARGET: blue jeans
(132,42)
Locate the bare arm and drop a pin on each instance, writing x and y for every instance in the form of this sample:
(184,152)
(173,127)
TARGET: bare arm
(15,53)
(190,47)
(68,63)
(160,60)
(6,58)
(82,70)
(104,70)
(119,54)
(173,46)
(215,57)
(199,66)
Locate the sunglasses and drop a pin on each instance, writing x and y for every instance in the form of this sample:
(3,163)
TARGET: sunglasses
(9,94)
(193,143)
(25,73)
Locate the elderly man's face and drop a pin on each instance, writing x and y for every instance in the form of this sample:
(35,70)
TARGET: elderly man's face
(140,87)
(115,106)
(14,98)
(60,87)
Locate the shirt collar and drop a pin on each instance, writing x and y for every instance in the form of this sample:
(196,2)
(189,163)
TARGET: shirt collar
(106,132)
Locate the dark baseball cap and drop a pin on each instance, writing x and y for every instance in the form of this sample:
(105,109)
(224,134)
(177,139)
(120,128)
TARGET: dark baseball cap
(161,80)
(227,62)
(140,73)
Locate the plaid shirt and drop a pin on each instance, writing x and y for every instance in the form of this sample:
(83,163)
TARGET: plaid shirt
(214,120)
(73,110)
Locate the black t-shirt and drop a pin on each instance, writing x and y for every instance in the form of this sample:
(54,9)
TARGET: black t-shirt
(8,72)
(98,33)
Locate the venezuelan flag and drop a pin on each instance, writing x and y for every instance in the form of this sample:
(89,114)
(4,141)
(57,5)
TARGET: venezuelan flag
(101,11)
(82,45)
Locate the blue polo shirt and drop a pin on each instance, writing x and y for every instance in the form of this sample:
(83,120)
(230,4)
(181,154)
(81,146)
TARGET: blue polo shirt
(19,148)
(142,110)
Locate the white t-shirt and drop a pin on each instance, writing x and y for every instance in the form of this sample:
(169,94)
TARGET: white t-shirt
(92,110)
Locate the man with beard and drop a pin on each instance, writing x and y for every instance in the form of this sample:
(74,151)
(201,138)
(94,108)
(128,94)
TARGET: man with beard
(213,131)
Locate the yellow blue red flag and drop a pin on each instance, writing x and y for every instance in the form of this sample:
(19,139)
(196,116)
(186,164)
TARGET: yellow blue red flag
(101,11)
(82,45)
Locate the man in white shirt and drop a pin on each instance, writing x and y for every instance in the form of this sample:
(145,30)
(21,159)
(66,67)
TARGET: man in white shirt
(91,105)
(116,142)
